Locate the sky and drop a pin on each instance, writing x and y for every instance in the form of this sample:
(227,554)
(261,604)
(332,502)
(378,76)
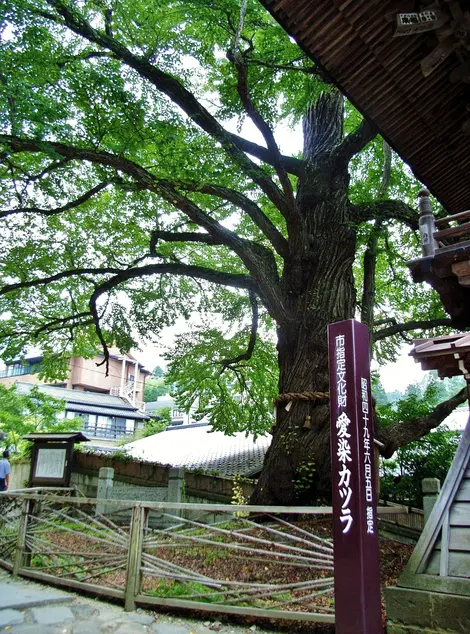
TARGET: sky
(398,375)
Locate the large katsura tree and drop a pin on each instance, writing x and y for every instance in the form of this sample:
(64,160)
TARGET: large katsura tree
(141,178)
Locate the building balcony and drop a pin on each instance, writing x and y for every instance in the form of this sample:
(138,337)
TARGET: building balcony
(19,370)
(107,432)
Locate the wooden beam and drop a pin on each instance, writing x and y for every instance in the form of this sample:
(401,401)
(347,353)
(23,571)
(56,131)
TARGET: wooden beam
(461,268)
(444,222)
(453,232)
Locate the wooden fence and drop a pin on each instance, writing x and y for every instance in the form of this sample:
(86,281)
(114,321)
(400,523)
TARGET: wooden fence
(160,558)
(402,520)
(257,561)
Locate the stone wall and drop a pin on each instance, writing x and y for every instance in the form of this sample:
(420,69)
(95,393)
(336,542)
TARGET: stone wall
(19,475)
(411,611)
(201,486)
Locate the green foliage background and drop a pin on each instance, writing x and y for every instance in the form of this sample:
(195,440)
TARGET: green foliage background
(429,457)
(57,86)
(22,414)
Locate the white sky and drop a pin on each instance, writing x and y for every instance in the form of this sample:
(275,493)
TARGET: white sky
(398,375)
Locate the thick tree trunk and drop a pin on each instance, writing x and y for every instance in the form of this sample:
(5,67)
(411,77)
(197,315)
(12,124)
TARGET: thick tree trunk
(320,290)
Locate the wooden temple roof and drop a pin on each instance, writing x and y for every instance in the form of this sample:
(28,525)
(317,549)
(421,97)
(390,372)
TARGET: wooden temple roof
(415,87)
(449,355)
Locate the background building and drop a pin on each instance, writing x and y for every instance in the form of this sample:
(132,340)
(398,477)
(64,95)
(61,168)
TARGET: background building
(105,418)
(126,376)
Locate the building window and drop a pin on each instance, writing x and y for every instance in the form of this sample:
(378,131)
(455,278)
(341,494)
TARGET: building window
(120,425)
(85,419)
(18,369)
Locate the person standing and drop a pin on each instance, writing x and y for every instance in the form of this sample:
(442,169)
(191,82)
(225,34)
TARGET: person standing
(5,471)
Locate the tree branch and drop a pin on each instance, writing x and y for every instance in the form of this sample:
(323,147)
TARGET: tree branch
(165,189)
(371,252)
(243,91)
(182,97)
(400,434)
(251,254)
(92,303)
(236,280)
(254,212)
(246,356)
(258,259)
(54,325)
(386,169)
(54,278)
(370,265)
(183,236)
(18,144)
(308,70)
(199,272)
(386,210)
(51,212)
(410,325)
(63,322)
(355,142)
(84,57)
(291,164)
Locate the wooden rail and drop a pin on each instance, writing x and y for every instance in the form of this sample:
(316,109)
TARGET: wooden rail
(126,553)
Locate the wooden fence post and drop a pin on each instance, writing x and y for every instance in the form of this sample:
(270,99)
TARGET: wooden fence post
(134,556)
(21,540)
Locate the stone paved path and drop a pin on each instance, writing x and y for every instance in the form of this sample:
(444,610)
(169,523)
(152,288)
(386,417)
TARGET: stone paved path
(31,608)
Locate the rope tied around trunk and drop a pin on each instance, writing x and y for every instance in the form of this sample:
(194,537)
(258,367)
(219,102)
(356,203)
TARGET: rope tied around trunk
(301,396)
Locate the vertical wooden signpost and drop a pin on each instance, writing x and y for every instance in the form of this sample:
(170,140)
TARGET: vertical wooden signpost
(357,576)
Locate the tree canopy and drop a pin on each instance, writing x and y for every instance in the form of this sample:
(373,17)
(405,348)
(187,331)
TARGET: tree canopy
(29,413)
(154,388)
(431,456)
(142,178)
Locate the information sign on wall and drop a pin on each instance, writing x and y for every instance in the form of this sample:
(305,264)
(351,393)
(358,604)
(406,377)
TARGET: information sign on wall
(357,576)
(50,463)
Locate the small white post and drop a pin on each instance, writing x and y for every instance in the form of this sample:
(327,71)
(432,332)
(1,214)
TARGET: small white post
(105,484)
(123,372)
(175,486)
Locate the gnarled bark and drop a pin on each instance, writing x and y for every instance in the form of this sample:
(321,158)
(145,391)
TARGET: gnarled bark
(319,289)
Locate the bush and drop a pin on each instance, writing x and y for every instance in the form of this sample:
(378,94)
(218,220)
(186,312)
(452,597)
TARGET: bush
(429,457)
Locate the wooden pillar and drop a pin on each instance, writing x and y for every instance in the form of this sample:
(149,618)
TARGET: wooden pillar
(21,549)
(134,557)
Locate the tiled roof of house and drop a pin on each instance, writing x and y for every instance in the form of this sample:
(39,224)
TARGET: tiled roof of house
(107,411)
(89,402)
(199,448)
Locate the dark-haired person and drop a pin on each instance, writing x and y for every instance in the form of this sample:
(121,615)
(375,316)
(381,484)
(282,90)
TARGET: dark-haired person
(4,471)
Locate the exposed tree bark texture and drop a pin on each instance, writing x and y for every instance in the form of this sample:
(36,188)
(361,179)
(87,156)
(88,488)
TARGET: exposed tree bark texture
(319,288)
(370,265)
